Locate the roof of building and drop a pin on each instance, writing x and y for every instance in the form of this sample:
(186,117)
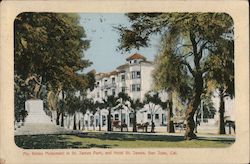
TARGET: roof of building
(122,66)
(108,74)
(135,56)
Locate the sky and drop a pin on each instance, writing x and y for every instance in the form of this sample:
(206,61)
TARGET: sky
(104,41)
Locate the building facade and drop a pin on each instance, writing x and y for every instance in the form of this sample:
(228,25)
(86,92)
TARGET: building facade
(133,78)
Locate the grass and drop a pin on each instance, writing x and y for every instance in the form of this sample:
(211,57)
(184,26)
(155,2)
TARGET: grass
(117,140)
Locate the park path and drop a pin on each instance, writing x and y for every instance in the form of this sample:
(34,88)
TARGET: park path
(42,128)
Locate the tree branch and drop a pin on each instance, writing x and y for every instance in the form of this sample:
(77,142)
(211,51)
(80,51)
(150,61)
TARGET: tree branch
(201,48)
(189,67)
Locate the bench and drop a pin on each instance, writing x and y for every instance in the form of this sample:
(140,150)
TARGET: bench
(143,126)
(118,125)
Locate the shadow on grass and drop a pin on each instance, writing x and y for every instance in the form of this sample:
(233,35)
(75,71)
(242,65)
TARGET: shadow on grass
(66,141)
(130,137)
(216,139)
(45,142)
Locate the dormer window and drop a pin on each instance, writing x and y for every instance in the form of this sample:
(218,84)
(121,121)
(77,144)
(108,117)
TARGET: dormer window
(135,58)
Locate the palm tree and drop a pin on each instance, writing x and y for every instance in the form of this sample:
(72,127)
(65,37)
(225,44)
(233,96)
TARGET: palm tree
(99,106)
(92,106)
(123,98)
(110,103)
(71,107)
(135,105)
(153,101)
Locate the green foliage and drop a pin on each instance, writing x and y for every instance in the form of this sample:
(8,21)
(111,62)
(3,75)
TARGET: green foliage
(190,44)
(111,102)
(19,99)
(221,67)
(209,110)
(152,97)
(50,45)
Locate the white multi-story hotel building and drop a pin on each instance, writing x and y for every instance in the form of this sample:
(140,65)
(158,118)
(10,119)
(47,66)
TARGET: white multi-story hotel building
(135,79)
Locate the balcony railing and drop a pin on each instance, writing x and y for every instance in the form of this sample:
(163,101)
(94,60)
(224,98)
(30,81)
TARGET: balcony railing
(111,85)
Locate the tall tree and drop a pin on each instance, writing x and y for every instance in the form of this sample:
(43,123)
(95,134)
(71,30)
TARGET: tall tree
(48,50)
(110,103)
(154,103)
(99,107)
(123,98)
(135,105)
(91,106)
(196,39)
(222,75)
(170,76)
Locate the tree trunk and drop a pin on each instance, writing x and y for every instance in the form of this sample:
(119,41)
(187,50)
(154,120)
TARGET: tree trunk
(134,122)
(74,122)
(109,121)
(83,125)
(192,107)
(194,103)
(93,122)
(222,111)
(170,115)
(79,125)
(121,120)
(190,124)
(152,124)
(100,128)
(62,120)
(57,117)
(196,122)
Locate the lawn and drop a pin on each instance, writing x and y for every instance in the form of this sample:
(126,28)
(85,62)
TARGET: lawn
(116,140)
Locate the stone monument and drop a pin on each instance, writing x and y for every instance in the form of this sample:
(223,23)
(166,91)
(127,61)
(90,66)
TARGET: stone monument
(36,114)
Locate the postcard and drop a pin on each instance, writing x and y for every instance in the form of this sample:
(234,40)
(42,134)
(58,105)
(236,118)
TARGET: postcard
(124,82)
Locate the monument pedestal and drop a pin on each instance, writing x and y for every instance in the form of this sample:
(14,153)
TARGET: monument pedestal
(37,122)
(36,114)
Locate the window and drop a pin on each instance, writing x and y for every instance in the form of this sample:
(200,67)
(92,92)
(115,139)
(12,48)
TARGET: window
(113,80)
(98,95)
(123,89)
(97,84)
(103,120)
(135,87)
(122,77)
(149,116)
(138,87)
(156,116)
(136,75)
(116,116)
(163,119)
(106,93)
(105,82)
(113,92)
(135,61)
